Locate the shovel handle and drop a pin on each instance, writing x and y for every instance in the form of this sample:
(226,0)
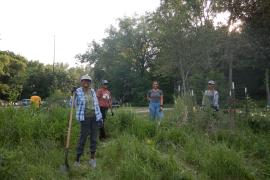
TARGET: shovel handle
(70,121)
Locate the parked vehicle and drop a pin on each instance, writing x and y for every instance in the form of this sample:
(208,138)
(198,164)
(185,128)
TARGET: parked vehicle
(26,102)
(116,104)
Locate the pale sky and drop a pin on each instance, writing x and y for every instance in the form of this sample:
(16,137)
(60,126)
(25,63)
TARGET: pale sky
(27,27)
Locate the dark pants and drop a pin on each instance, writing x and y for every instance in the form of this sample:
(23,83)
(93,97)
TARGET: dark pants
(102,134)
(88,128)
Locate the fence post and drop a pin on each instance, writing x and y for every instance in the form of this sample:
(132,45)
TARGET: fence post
(234,107)
(179,90)
(246,97)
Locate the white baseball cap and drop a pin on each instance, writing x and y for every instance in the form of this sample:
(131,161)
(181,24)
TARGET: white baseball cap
(86,77)
(211,82)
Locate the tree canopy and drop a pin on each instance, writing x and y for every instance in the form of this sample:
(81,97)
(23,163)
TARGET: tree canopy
(179,44)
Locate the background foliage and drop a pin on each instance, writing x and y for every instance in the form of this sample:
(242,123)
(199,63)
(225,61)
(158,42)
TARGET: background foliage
(178,44)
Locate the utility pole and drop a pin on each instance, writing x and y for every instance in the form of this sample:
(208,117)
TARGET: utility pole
(53,52)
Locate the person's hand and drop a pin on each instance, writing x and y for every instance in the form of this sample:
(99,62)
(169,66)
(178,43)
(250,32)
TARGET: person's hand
(112,113)
(100,123)
(73,90)
(160,109)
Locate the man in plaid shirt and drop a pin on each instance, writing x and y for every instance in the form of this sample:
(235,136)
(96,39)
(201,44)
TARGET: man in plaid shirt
(90,118)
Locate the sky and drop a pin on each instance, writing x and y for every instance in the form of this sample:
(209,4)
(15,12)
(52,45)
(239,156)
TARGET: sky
(27,27)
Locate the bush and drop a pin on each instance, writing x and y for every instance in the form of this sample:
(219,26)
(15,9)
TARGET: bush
(9,164)
(224,163)
(136,160)
(127,121)
(259,122)
(19,125)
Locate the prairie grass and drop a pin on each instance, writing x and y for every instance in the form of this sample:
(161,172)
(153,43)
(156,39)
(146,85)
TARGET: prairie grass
(186,145)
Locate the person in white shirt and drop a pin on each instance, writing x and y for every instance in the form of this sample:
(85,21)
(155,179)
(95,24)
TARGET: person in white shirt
(211,96)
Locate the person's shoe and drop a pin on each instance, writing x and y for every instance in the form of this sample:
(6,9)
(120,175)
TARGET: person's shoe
(93,163)
(77,164)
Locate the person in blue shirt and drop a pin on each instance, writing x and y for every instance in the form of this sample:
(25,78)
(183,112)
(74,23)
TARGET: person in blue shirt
(90,118)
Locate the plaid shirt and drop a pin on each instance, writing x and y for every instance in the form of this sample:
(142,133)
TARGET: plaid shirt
(80,105)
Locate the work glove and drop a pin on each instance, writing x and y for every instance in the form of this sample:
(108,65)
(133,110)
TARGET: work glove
(100,123)
(73,90)
(160,109)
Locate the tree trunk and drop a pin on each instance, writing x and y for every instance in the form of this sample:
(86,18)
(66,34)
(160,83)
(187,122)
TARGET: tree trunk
(267,86)
(231,99)
(183,82)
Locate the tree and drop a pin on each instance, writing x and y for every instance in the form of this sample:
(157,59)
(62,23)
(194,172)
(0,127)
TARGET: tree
(186,39)
(125,58)
(255,15)
(42,79)
(12,75)
(258,30)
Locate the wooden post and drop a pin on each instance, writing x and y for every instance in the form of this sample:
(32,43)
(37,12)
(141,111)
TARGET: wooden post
(193,101)
(246,97)
(230,106)
(179,90)
(233,99)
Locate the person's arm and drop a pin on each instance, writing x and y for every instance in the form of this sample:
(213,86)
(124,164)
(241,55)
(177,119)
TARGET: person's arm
(39,101)
(216,97)
(75,99)
(148,95)
(97,109)
(161,101)
(110,103)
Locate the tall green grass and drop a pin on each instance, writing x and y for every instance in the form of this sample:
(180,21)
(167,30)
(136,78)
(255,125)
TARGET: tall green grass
(186,145)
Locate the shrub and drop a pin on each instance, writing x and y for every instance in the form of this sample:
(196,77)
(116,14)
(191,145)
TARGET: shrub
(259,122)
(10,164)
(127,121)
(19,125)
(133,159)
(224,163)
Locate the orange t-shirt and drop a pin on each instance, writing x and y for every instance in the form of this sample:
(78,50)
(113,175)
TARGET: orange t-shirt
(36,100)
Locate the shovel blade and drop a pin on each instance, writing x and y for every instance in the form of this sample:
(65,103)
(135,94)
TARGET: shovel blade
(65,168)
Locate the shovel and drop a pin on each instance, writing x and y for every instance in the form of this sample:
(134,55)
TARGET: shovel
(65,167)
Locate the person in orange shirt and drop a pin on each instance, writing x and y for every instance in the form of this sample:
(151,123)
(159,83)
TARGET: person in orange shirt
(35,100)
(105,103)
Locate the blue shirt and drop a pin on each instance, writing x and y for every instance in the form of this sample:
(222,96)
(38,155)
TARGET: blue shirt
(80,104)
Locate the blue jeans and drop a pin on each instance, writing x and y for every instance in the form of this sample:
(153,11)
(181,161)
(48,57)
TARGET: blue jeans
(155,113)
